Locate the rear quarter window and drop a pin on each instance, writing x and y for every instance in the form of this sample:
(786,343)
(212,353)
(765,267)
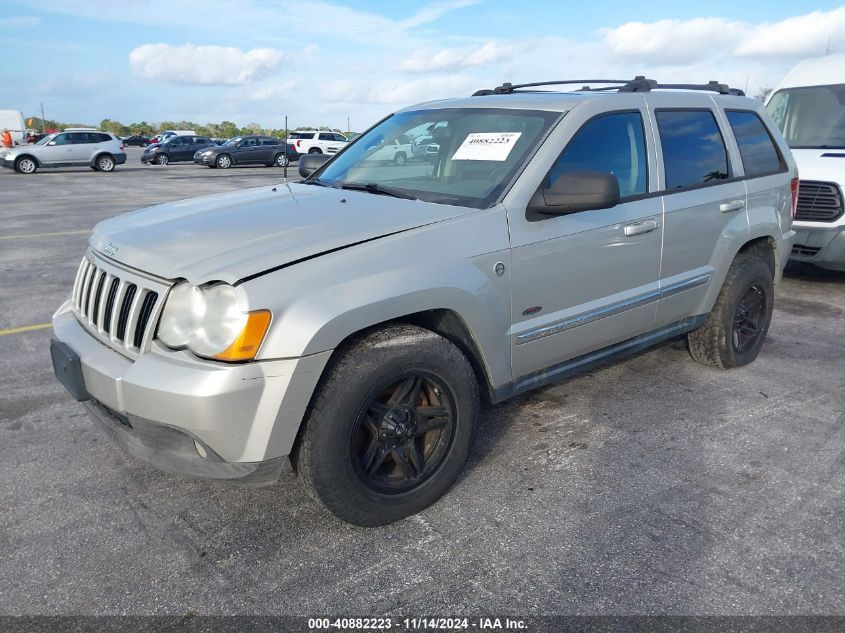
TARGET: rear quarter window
(758,151)
(694,152)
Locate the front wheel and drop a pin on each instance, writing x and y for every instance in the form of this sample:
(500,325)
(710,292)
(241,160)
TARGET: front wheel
(315,150)
(224,161)
(390,427)
(162,159)
(400,159)
(736,327)
(26,165)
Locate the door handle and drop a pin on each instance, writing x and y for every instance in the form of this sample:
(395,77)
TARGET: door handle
(638,228)
(733,205)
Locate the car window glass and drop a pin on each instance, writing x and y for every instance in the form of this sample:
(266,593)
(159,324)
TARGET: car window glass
(103,138)
(693,149)
(250,142)
(269,141)
(613,144)
(758,151)
(62,139)
(340,137)
(326,137)
(80,138)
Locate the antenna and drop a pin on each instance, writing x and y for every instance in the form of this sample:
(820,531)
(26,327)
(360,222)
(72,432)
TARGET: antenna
(827,51)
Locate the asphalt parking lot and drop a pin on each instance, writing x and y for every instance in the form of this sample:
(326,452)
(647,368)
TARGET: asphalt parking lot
(652,486)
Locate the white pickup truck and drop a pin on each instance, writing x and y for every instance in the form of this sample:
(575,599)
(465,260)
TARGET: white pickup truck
(316,142)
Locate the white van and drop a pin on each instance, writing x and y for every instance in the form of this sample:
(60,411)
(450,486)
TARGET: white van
(12,120)
(809,108)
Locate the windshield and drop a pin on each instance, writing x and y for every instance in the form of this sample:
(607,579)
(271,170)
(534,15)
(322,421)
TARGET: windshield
(810,117)
(46,139)
(470,157)
(232,141)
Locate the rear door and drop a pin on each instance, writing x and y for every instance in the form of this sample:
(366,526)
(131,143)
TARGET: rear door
(587,280)
(704,200)
(269,148)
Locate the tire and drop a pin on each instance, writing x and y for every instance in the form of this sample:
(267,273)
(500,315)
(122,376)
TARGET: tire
(281,161)
(736,327)
(224,161)
(26,165)
(362,467)
(315,150)
(162,159)
(144,144)
(400,159)
(105,163)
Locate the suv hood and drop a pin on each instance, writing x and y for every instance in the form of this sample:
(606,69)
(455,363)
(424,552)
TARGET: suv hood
(821,164)
(227,237)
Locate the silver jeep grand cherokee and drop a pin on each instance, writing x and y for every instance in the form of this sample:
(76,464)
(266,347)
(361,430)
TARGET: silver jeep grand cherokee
(355,321)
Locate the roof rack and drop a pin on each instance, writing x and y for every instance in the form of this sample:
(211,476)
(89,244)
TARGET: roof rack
(637,84)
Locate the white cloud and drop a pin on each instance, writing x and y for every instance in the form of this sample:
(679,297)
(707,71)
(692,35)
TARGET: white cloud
(203,65)
(672,41)
(426,60)
(799,36)
(679,42)
(433,12)
(19,22)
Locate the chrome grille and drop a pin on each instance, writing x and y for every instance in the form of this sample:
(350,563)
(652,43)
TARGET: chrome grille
(818,201)
(118,306)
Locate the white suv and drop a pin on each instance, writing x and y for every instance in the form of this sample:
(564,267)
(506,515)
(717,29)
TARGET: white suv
(74,147)
(316,142)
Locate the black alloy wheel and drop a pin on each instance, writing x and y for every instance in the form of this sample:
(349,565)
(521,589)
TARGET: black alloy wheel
(748,319)
(403,433)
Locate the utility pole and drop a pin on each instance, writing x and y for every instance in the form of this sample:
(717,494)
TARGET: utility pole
(827,51)
(287,160)
(42,117)
(348,129)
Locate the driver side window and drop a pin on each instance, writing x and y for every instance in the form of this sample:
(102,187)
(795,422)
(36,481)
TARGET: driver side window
(63,139)
(610,144)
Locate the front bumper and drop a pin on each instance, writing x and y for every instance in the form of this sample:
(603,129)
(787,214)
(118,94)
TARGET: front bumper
(8,162)
(205,160)
(161,406)
(148,158)
(821,245)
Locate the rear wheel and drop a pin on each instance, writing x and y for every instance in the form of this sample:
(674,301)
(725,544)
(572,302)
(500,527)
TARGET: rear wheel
(390,427)
(224,161)
(162,159)
(736,327)
(26,165)
(105,163)
(281,160)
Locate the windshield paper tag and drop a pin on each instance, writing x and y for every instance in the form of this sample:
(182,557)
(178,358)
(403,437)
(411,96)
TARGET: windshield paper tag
(487,146)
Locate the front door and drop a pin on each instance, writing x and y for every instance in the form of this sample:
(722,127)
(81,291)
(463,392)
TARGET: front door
(587,280)
(58,151)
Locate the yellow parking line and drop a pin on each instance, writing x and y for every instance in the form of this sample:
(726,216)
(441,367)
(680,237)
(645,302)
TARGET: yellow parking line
(25,328)
(17,237)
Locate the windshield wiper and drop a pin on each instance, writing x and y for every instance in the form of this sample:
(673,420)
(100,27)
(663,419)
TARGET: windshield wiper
(372,187)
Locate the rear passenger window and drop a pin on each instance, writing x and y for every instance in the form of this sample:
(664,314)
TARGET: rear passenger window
(693,149)
(612,143)
(758,151)
(269,141)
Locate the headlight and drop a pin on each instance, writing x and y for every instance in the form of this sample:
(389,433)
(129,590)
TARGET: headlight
(211,323)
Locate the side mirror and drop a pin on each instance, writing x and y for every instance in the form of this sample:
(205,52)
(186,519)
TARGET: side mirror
(573,192)
(51,143)
(309,163)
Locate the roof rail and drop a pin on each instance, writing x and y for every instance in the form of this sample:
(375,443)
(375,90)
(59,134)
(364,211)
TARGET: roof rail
(637,84)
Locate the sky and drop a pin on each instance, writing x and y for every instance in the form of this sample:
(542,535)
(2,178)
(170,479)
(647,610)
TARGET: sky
(323,63)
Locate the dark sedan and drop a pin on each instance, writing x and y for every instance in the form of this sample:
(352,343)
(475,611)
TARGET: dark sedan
(175,149)
(136,139)
(247,150)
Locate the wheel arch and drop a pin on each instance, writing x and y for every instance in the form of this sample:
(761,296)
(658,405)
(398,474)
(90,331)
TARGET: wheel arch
(32,156)
(99,155)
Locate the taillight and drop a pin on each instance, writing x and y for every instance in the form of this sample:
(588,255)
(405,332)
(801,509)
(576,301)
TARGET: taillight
(121,147)
(298,144)
(793,186)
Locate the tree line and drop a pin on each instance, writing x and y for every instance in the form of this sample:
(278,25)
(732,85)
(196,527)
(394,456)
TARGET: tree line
(224,129)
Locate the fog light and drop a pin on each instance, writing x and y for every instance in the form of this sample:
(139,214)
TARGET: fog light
(200,449)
